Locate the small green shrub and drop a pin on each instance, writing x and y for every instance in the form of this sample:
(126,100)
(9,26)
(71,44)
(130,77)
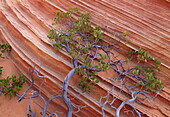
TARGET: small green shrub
(12,85)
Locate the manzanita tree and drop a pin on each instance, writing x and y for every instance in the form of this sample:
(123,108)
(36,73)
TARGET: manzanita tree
(90,54)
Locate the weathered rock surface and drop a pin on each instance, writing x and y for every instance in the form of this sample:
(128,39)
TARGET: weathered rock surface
(24,24)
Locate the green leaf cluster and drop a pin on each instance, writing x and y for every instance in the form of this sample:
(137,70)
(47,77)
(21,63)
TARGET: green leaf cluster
(146,72)
(1,70)
(12,85)
(124,34)
(88,79)
(4,48)
(137,71)
(152,81)
(144,56)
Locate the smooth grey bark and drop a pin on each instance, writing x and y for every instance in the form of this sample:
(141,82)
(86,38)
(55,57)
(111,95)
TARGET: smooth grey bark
(64,93)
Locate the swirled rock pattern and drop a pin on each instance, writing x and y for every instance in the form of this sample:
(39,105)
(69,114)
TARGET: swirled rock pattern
(24,24)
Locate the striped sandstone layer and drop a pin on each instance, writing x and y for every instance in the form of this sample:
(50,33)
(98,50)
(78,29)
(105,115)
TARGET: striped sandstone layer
(24,24)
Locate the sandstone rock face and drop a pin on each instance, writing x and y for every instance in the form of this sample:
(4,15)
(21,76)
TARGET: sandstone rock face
(24,24)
